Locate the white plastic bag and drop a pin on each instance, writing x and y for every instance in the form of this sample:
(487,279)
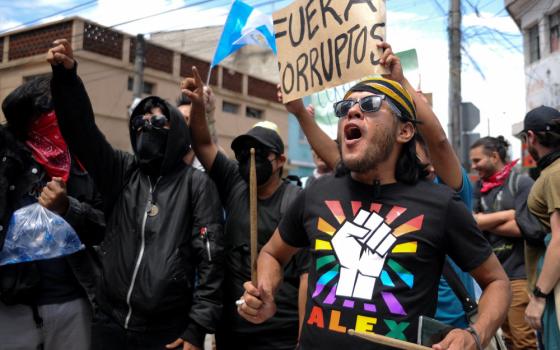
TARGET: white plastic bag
(36,233)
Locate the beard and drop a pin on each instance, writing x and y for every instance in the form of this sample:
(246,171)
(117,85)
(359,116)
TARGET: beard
(377,151)
(533,152)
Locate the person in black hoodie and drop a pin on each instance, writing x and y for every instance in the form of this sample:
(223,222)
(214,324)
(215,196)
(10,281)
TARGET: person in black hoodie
(49,302)
(161,259)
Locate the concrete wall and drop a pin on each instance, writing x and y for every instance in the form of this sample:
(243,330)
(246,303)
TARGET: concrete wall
(542,77)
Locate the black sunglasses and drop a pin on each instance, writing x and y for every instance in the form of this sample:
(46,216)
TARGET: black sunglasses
(156,121)
(370,104)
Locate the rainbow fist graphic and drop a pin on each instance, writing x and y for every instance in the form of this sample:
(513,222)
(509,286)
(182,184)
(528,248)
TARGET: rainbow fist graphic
(361,247)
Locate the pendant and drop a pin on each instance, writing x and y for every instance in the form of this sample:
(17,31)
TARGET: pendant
(154,210)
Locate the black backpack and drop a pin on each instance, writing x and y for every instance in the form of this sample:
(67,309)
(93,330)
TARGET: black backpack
(532,231)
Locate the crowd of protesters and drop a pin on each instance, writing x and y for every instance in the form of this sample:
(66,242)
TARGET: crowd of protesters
(386,232)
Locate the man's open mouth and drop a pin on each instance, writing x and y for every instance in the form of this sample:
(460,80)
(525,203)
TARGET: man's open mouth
(352,132)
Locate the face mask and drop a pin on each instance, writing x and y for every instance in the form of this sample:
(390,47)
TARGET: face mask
(150,147)
(263,169)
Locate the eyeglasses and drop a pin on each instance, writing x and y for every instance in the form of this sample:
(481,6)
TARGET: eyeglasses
(243,154)
(370,104)
(156,121)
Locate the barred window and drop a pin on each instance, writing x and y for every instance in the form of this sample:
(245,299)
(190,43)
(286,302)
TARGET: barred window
(252,112)
(229,107)
(147,88)
(554,22)
(534,44)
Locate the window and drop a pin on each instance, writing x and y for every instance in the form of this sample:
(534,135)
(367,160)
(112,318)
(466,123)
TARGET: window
(554,25)
(229,107)
(256,113)
(534,44)
(148,88)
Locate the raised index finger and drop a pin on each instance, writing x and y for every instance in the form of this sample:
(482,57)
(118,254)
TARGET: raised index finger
(197,78)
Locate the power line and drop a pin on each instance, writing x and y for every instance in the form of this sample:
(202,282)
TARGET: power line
(85,4)
(161,13)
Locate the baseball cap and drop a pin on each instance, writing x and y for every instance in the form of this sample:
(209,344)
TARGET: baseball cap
(261,134)
(540,118)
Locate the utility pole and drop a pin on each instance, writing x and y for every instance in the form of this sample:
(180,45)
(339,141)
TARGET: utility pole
(454,32)
(138,82)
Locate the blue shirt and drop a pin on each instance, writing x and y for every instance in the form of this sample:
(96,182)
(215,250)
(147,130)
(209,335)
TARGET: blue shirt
(449,307)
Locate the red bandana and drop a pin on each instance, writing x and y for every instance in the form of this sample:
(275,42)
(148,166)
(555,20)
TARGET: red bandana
(498,178)
(48,147)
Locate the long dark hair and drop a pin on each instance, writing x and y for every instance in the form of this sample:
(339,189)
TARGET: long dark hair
(27,102)
(493,144)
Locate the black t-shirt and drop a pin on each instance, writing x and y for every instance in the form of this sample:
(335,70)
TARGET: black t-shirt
(509,250)
(376,260)
(234,193)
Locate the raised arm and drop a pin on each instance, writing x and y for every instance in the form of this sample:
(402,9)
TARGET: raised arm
(202,143)
(77,124)
(321,143)
(445,161)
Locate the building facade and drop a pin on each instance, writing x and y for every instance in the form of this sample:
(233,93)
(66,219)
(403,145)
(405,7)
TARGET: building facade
(106,66)
(539,21)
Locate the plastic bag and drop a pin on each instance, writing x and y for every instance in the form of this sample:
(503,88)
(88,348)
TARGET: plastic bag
(36,233)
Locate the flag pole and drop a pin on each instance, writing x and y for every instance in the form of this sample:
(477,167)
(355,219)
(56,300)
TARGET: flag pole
(209,75)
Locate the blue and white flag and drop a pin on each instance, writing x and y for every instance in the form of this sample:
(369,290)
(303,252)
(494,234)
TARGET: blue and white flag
(244,26)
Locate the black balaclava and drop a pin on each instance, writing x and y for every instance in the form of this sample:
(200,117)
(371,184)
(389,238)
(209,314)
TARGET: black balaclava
(160,151)
(150,148)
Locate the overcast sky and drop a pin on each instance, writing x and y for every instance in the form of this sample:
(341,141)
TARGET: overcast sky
(492,78)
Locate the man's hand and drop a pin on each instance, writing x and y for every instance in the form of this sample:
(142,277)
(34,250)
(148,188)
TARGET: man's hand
(457,339)
(54,196)
(534,312)
(61,53)
(392,62)
(194,88)
(258,305)
(296,107)
(209,100)
(179,342)
(311,110)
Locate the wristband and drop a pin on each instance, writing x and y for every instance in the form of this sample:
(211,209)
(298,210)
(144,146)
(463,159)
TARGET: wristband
(476,337)
(539,294)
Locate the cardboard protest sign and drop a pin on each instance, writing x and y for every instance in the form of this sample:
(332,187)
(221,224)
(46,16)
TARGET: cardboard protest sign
(325,43)
(323,101)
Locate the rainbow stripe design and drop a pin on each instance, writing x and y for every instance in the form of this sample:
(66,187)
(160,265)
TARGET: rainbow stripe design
(328,268)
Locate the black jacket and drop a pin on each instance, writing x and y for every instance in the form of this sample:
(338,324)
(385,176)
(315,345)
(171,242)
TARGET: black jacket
(149,261)
(21,180)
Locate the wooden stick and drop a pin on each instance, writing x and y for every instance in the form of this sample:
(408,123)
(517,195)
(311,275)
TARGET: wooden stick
(253,216)
(383,340)
(209,76)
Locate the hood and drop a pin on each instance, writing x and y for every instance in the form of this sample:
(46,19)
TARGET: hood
(178,141)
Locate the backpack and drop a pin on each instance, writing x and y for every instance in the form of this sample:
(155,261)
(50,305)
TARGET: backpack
(532,231)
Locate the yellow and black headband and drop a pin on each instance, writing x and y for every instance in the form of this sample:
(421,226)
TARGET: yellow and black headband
(394,91)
